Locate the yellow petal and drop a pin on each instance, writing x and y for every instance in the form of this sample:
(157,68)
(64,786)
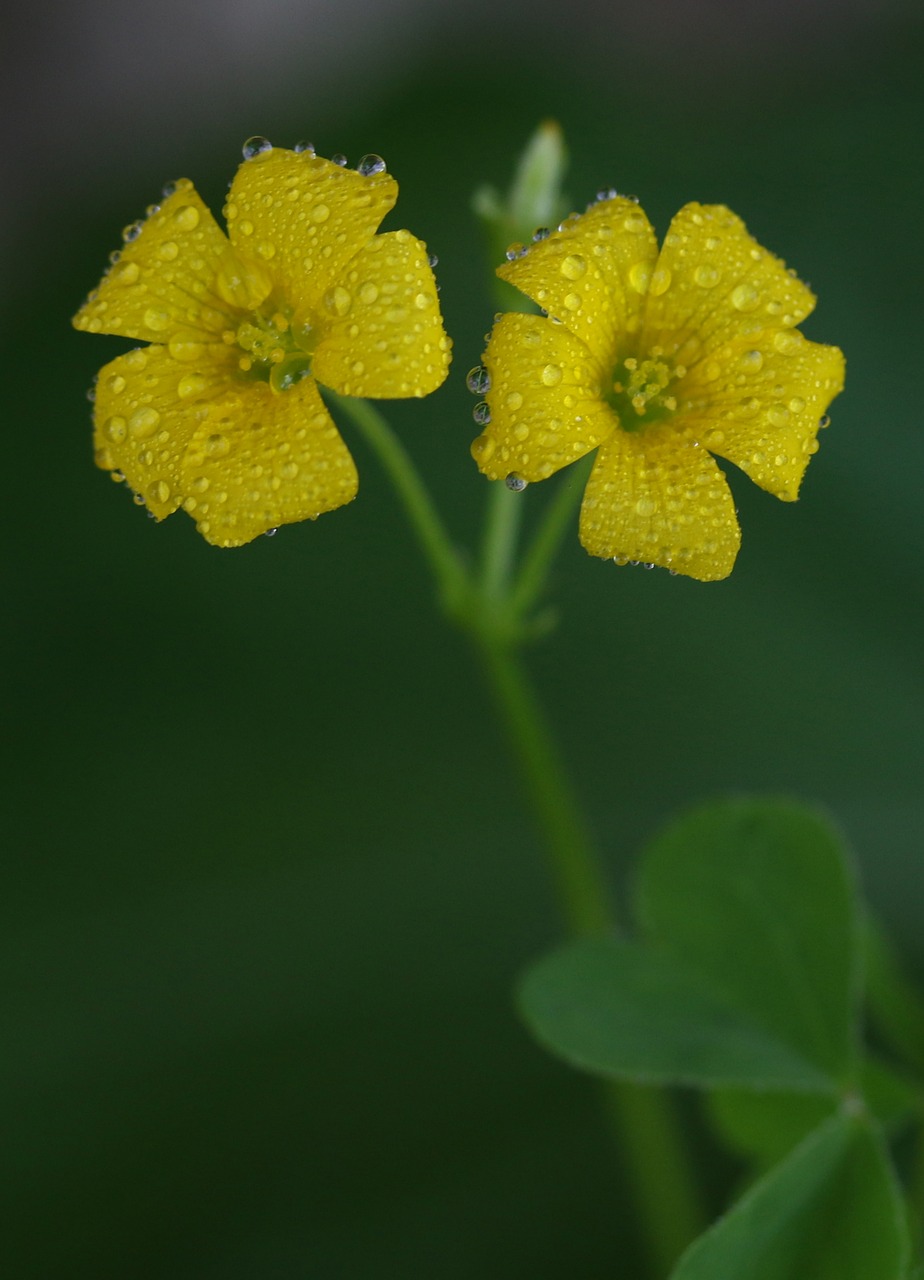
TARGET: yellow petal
(658,498)
(163,284)
(762,407)
(263,459)
(593,275)
(714,283)
(383,334)
(147,409)
(304,217)
(546,409)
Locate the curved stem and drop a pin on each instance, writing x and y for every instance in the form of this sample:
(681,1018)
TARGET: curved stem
(578,876)
(422,514)
(644,1121)
(547,540)
(502,530)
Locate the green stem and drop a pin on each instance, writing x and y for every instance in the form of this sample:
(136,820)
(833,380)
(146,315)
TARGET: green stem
(422,515)
(578,877)
(502,529)
(644,1121)
(557,517)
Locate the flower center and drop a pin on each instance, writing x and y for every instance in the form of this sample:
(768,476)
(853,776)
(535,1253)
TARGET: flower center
(274,350)
(640,392)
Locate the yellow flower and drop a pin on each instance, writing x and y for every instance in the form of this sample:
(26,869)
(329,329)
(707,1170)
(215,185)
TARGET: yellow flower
(657,360)
(221,414)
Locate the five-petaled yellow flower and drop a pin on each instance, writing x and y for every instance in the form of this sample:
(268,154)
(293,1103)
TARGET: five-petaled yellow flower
(657,360)
(221,414)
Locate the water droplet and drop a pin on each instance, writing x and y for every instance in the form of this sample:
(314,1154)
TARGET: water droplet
(573,267)
(217,445)
(143,423)
(515,251)
(115,383)
(572,301)
(132,231)
(186,218)
(288,470)
(639,276)
(159,491)
(478,380)
(338,300)
(157,319)
(706,277)
(786,342)
(751,361)
(645,507)
(482,413)
(824,422)
(796,404)
(514,401)
(778,415)
(745,297)
(371,164)
(191,384)
(339,159)
(302,148)
(515,482)
(256,146)
(541,233)
(551,375)
(660,282)
(185,349)
(320,213)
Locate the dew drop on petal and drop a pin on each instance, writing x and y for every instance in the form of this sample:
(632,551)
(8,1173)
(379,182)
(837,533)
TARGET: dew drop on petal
(745,297)
(482,413)
(370,164)
(573,267)
(705,276)
(551,375)
(339,159)
(478,380)
(660,282)
(132,231)
(639,276)
(186,218)
(320,213)
(256,146)
(156,318)
(515,482)
(300,148)
(143,423)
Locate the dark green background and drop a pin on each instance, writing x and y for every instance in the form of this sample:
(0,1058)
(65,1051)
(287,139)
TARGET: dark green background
(268,876)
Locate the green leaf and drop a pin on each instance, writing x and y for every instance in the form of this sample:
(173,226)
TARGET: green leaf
(612,1007)
(766,1126)
(830,1211)
(757,899)
(896,1007)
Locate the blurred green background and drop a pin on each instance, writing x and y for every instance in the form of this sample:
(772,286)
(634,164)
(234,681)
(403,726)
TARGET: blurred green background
(268,877)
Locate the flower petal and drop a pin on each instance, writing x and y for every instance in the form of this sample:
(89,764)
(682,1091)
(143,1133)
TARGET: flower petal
(305,217)
(146,411)
(384,337)
(759,403)
(545,403)
(163,283)
(592,275)
(659,498)
(262,459)
(713,283)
